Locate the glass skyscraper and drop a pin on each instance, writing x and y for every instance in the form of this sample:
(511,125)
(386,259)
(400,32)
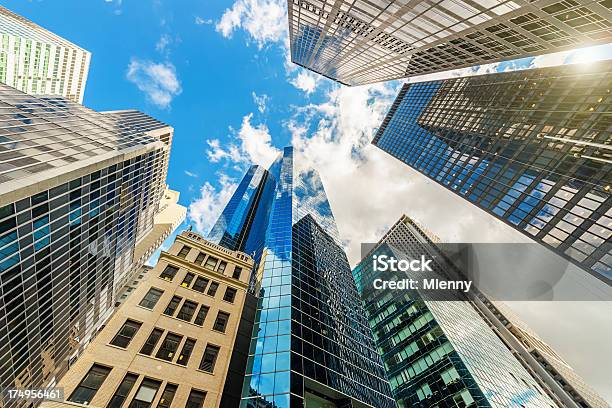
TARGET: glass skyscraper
(79,190)
(38,62)
(531,148)
(311,343)
(360,42)
(438,353)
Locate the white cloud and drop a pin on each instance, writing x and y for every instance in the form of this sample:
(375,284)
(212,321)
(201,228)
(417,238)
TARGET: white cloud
(306,81)
(369,190)
(200,21)
(204,211)
(253,145)
(261,101)
(163,43)
(158,81)
(264,20)
(191,174)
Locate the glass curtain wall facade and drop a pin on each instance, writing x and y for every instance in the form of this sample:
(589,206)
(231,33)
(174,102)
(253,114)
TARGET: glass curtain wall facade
(359,42)
(38,62)
(311,343)
(438,353)
(531,148)
(76,190)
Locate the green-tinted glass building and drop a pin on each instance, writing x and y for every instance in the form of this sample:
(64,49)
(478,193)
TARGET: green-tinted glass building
(438,353)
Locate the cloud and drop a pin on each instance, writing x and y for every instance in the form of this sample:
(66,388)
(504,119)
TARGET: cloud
(253,145)
(306,81)
(158,81)
(200,21)
(163,43)
(264,21)
(261,101)
(191,174)
(369,190)
(204,211)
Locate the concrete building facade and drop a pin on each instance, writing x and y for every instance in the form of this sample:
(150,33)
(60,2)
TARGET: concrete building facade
(171,342)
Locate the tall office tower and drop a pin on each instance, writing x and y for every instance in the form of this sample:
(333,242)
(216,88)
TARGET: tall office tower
(165,221)
(530,147)
(549,369)
(311,343)
(78,190)
(360,42)
(438,352)
(38,62)
(170,344)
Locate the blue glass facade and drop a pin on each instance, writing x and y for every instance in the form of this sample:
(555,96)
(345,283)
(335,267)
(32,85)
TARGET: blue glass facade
(529,147)
(311,341)
(438,353)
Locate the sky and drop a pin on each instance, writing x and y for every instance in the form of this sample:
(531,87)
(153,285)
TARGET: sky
(218,72)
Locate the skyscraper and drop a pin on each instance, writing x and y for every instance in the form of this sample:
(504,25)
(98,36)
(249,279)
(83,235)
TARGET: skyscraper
(438,352)
(38,62)
(170,344)
(529,147)
(552,372)
(311,344)
(361,42)
(78,190)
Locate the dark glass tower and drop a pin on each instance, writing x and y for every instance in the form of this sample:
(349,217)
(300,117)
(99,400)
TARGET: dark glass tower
(311,342)
(531,148)
(438,353)
(358,42)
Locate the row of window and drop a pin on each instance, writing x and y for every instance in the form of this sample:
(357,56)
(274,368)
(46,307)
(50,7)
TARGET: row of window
(199,283)
(169,346)
(187,310)
(209,262)
(147,391)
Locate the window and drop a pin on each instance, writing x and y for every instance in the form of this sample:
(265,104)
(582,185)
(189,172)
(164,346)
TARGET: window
(463,399)
(209,359)
(184,251)
(212,289)
(90,384)
(183,358)
(187,311)
(187,281)
(222,266)
(200,284)
(237,272)
(150,299)
(172,306)
(196,399)
(221,321)
(125,334)
(200,258)
(167,396)
(169,346)
(450,375)
(151,342)
(169,273)
(145,394)
(424,392)
(211,262)
(230,295)
(122,392)
(199,320)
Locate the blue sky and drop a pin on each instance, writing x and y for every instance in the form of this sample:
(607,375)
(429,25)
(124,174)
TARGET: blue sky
(217,71)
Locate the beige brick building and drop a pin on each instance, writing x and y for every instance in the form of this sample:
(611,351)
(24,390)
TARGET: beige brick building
(171,342)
